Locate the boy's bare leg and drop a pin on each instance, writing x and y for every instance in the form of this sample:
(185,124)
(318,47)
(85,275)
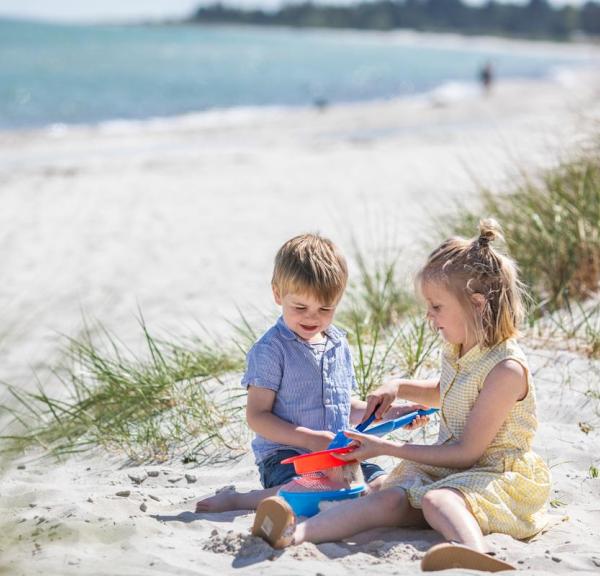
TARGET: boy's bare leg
(386,508)
(227,500)
(447,512)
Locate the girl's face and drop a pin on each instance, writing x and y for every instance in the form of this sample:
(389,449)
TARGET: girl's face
(447,315)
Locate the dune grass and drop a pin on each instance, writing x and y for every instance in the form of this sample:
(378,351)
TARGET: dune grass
(377,296)
(552,227)
(175,401)
(385,324)
(170,402)
(576,325)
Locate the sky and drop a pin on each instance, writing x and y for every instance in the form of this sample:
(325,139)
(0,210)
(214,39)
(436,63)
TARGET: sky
(102,10)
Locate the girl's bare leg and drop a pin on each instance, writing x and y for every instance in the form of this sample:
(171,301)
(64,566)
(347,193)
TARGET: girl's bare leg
(227,500)
(377,484)
(386,508)
(446,511)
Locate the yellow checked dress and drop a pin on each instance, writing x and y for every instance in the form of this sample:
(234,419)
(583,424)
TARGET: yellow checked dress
(507,489)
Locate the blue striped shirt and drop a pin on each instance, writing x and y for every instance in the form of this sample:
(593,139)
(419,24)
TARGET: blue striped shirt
(309,391)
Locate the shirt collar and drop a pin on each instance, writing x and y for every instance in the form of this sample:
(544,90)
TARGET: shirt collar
(450,352)
(333,333)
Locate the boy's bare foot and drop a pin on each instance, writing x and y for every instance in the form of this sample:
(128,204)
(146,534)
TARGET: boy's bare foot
(224,500)
(275,522)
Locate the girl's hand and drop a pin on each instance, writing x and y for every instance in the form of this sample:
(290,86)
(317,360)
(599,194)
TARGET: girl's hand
(399,411)
(365,446)
(380,400)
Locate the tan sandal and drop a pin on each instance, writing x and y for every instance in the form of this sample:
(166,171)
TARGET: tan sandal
(446,556)
(274,522)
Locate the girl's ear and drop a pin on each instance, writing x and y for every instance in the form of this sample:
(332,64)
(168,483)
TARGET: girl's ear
(478,301)
(276,295)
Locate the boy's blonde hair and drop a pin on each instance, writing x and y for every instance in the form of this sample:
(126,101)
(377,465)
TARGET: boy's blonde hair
(310,264)
(470,267)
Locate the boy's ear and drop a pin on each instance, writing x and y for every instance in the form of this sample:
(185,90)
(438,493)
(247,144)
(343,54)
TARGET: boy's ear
(276,295)
(478,301)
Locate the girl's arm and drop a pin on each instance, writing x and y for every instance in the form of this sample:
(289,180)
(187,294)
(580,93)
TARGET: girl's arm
(260,417)
(358,407)
(426,392)
(505,385)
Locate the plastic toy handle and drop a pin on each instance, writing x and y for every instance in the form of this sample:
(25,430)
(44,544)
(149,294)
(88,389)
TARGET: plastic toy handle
(391,425)
(340,439)
(366,423)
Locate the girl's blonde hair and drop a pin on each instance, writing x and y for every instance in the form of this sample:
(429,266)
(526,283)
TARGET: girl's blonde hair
(470,267)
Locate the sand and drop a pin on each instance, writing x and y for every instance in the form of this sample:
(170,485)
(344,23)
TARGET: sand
(182,218)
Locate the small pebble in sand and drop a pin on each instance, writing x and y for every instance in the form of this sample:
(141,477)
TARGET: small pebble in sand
(556,559)
(596,560)
(123,493)
(154,497)
(175,479)
(143,507)
(90,500)
(32,505)
(138,478)
(152,473)
(190,478)
(21,467)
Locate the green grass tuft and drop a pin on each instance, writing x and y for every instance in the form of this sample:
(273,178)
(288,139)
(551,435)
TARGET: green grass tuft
(552,227)
(170,402)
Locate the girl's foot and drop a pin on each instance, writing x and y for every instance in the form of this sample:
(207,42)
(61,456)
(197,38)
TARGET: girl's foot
(274,522)
(446,556)
(224,500)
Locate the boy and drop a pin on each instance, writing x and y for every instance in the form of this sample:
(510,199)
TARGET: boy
(299,374)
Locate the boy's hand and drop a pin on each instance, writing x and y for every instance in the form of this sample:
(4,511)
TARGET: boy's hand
(366,447)
(320,439)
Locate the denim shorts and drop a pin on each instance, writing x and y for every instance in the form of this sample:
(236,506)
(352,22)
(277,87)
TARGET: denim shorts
(274,473)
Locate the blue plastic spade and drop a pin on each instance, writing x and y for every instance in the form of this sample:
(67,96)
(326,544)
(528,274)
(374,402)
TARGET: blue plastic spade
(340,440)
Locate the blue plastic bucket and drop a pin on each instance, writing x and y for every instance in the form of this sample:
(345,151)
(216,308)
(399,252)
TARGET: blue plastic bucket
(307,503)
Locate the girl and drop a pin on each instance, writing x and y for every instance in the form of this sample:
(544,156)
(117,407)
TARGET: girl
(481,475)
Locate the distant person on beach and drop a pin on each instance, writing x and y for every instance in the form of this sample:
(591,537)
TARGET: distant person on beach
(299,374)
(486,77)
(481,475)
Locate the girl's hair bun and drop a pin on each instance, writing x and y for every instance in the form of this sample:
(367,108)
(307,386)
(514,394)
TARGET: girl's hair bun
(489,230)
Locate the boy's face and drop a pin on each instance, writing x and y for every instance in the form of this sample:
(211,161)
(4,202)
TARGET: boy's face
(305,315)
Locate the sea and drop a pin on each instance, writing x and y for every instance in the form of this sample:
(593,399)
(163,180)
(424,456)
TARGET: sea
(68,74)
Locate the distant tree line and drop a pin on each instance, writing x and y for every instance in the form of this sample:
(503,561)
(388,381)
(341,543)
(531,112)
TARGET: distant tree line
(535,19)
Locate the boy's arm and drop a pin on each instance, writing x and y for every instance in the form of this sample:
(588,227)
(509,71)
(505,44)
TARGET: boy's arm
(261,419)
(357,411)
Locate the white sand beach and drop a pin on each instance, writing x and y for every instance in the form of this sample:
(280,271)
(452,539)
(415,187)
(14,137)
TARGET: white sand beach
(181,219)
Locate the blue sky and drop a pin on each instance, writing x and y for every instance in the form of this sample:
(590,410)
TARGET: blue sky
(94,10)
